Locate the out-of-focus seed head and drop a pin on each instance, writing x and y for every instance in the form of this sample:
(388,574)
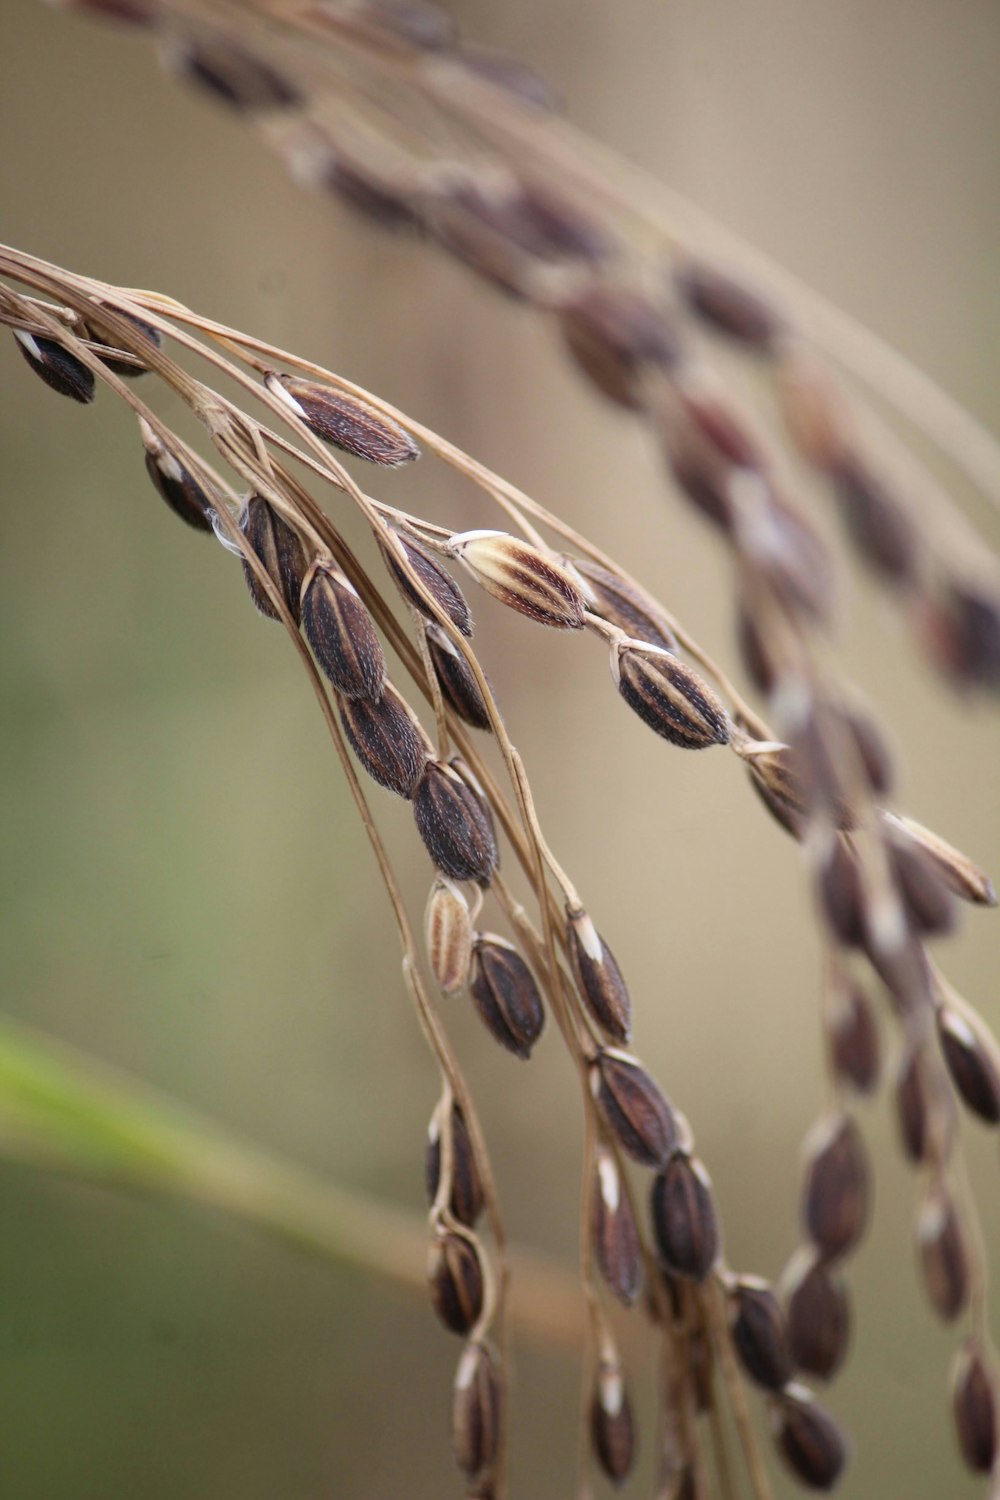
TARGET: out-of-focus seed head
(873,752)
(490,226)
(612,1428)
(455,828)
(839,891)
(456,1282)
(880,527)
(814,412)
(965,879)
(522,577)
(786,785)
(925,1111)
(344,421)
(922,887)
(974,1408)
(785,549)
(449,935)
(757,1330)
(808,1438)
(341,632)
(506,995)
(476,1412)
(175,483)
(755,654)
(436,580)
(685,1221)
(414,23)
(960,628)
(465,1200)
(817,1315)
(729,307)
(598,976)
(636,1111)
(944,1258)
(854,1037)
(512,77)
(971,1057)
(282,554)
(388,739)
(231,74)
(458,686)
(615,600)
(129,12)
(709,452)
(835,1203)
(614,1232)
(617,333)
(668,696)
(60,370)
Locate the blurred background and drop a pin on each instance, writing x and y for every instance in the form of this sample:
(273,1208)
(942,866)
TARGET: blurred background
(187,893)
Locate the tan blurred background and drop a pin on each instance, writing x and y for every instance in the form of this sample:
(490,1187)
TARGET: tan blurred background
(187,893)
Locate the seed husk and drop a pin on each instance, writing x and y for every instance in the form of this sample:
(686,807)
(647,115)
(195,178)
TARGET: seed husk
(617,601)
(477,1412)
(598,976)
(635,1108)
(974,1407)
(685,1221)
(436,580)
(454,826)
(465,1200)
(971,1058)
(506,995)
(128,368)
(341,632)
(458,686)
(522,577)
(282,554)
(456,1282)
(612,1428)
(809,1439)
(757,1330)
(835,1204)
(388,739)
(817,1316)
(964,878)
(854,1038)
(668,696)
(349,424)
(232,75)
(174,481)
(944,1258)
(615,333)
(60,369)
(729,307)
(449,935)
(614,1232)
